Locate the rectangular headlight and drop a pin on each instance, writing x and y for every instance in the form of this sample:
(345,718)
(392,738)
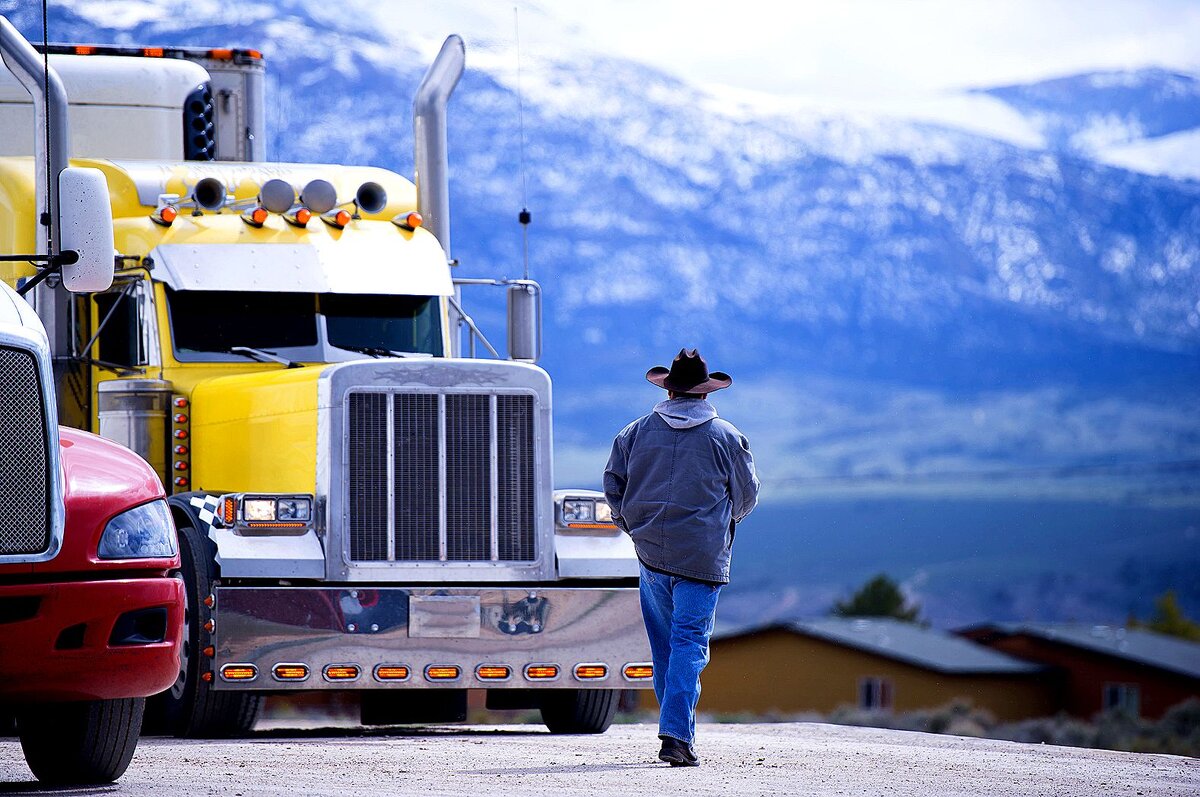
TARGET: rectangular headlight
(262,509)
(267,514)
(579,510)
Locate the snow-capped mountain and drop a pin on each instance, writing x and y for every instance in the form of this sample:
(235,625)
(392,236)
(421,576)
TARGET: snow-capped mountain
(1005,282)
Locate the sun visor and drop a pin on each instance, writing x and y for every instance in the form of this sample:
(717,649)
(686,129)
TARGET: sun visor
(354,264)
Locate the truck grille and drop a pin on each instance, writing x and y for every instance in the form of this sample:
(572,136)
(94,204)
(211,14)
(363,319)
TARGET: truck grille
(440,477)
(24,461)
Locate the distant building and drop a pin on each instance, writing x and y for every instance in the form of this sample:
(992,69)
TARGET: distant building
(1103,667)
(821,665)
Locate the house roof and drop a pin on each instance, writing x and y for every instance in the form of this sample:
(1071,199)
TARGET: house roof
(1144,647)
(909,643)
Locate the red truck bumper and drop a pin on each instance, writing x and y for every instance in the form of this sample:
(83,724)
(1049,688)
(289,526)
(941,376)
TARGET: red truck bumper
(89,640)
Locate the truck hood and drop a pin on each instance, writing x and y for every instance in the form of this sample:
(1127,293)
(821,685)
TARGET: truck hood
(101,480)
(256,431)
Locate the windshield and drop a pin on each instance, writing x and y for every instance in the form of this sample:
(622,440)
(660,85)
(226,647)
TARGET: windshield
(301,326)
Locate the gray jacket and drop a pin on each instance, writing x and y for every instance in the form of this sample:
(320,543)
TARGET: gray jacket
(678,480)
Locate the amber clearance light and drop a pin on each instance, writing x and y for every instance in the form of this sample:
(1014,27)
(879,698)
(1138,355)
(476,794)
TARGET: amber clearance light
(391,672)
(290,672)
(591,672)
(239,672)
(341,672)
(442,672)
(541,672)
(493,672)
(638,672)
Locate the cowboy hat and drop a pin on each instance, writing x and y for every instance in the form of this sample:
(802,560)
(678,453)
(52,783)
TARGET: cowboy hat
(688,374)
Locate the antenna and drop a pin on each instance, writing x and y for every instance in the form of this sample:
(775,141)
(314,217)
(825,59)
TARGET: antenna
(49,221)
(524,217)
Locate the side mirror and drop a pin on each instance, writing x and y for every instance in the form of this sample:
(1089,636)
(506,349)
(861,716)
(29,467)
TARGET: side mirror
(86,228)
(525,321)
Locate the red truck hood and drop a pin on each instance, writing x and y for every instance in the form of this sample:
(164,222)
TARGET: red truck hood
(101,480)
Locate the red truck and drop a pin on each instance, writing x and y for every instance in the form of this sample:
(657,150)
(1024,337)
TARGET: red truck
(91,605)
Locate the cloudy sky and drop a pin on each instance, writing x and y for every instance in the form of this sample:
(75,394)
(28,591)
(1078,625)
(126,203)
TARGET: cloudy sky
(854,48)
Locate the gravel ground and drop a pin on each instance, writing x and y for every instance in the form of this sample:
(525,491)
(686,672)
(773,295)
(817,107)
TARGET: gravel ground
(786,759)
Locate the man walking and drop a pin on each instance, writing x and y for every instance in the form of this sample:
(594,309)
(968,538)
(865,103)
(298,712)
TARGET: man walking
(678,481)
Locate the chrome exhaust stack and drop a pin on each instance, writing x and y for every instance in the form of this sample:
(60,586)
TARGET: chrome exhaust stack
(50,127)
(429,138)
(430,160)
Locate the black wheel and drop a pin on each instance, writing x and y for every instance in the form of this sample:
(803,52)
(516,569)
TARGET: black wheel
(81,743)
(580,710)
(191,708)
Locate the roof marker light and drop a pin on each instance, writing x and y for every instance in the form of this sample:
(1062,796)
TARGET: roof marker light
(339,219)
(164,216)
(84,49)
(153,52)
(255,216)
(408,221)
(298,217)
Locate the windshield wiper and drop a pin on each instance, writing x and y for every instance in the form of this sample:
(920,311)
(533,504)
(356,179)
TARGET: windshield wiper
(261,356)
(376,351)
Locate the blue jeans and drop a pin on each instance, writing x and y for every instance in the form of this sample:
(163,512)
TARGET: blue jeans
(679,616)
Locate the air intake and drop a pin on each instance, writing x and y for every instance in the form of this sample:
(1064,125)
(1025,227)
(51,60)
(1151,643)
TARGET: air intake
(24,459)
(199,125)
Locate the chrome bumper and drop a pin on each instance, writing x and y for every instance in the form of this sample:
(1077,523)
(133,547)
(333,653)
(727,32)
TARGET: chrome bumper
(356,631)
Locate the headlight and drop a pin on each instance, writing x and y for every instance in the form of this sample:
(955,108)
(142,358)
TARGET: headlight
(269,514)
(579,510)
(586,513)
(143,532)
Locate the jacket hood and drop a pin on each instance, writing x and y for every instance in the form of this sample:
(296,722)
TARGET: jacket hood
(684,413)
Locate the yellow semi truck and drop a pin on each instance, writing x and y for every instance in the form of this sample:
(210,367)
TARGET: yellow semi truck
(360,507)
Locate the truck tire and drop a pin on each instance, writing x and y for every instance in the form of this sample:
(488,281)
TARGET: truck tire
(580,710)
(81,743)
(191,708)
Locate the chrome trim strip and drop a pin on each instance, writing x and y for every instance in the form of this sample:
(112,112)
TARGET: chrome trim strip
(391,477)
(494,478)
(442,477)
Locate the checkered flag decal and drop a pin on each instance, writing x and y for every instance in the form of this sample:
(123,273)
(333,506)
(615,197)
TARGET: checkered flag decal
(207,506)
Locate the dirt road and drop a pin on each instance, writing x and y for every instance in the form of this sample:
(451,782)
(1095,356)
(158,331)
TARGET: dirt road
(784,759)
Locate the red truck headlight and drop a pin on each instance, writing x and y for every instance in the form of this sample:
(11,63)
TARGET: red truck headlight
(143,532)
